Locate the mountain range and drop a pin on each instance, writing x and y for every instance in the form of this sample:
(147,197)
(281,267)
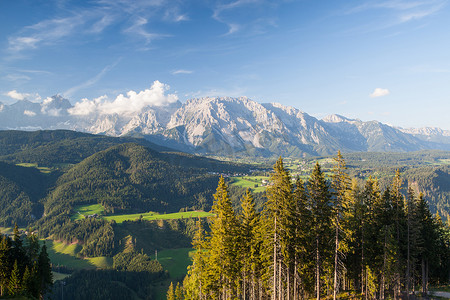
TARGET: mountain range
(227,126)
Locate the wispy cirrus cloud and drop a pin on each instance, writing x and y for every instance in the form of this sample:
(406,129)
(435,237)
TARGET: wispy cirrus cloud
(400,11)
(128,17)
(182,71)
(138,28)
(229,13)
(90,81)
(44,33)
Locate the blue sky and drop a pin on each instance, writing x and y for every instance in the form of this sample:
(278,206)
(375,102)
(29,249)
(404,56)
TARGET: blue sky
(373,60)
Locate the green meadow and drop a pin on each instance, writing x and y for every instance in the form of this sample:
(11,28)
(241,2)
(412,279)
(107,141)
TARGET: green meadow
(250,182)
(67,255)
(150,216)
(34,165)
(85,210)
(175,261)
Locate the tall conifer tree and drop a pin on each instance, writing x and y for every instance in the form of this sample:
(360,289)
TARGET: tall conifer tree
(224,244)
(321,213)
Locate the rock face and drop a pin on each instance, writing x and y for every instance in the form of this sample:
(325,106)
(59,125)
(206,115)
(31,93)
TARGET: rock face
(229,126)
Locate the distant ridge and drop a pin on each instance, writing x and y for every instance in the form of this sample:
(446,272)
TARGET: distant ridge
(229,126)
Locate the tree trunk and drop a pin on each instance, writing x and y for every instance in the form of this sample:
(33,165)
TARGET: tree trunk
(423,276)
(408,259)
(295,279)
(274,292)
(317,269)
(280,287)
(244,287)
(335,287)
(288,285)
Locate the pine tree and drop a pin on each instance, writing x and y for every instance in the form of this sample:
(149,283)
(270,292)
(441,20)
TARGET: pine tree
(44,271)
(398,215)
(321,213)
(248,250)
(302,244)
(427,242)
(170,295)
(224,245)
(195,283)
(5,265)
(369,247)
(17,249)
(14,286)
(413,238)
(281,210)
(178,292)
(341,187)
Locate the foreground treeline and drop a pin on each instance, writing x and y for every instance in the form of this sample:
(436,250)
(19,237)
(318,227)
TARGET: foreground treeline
(317,239)
(24,266)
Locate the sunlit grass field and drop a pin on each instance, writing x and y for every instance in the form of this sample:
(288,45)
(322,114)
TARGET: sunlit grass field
(175,261)
(155,216)
(63,254)
(34,165)
(85,210)
(251,182)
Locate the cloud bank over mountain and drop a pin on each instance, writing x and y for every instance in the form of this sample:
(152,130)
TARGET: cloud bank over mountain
(128,104)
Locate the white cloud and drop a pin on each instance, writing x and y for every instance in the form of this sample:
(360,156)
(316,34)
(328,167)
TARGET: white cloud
(181,71)
(21,96)
(379,92)
(130,103)
(29,113)
(16,95)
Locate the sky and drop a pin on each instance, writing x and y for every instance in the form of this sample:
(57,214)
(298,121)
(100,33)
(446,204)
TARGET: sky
(372,60)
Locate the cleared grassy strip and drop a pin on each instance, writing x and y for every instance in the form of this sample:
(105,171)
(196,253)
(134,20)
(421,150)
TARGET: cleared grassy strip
(70,249)
(251,182)
(65,255)
(101,262)
(175,261)
(85,210)
(59,276)
(34,165)
(154,216)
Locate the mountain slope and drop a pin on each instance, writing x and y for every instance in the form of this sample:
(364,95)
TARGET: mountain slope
(20,190)
(132,178)
(54,147)
(226,126)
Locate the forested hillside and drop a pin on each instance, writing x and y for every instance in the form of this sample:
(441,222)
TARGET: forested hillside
(58,147)
(21,189)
